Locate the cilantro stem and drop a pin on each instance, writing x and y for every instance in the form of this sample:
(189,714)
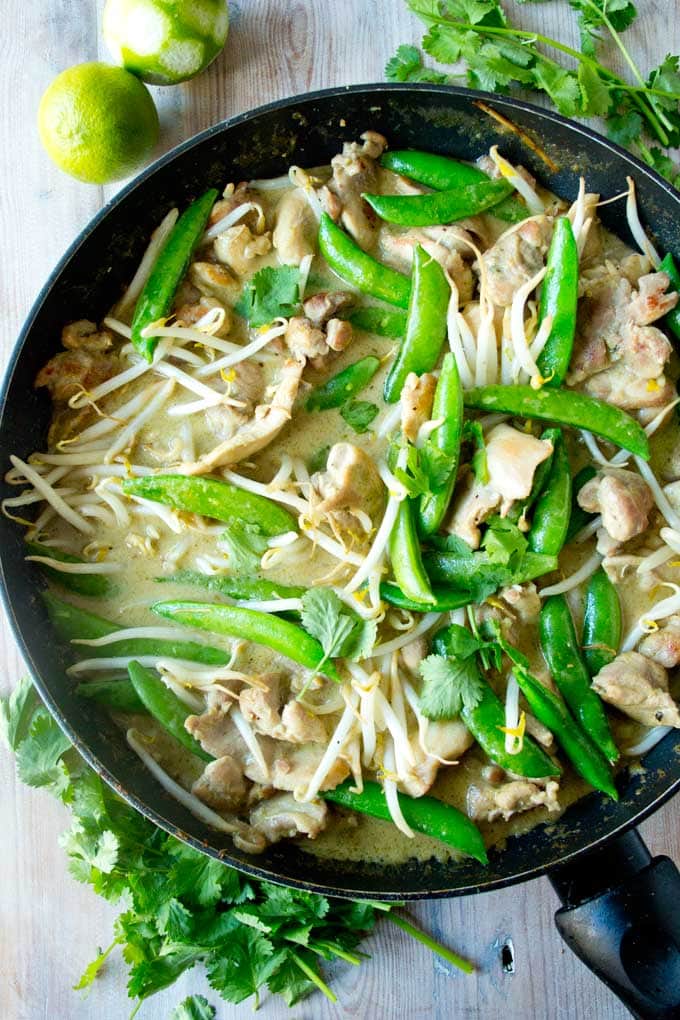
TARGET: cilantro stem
(427,940)
(314,977)
(326,947)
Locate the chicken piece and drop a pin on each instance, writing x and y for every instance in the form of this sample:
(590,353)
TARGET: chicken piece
(245,386)
(291,766)
(473,502)
(350,487)
(618,356)
(216,732)
(663,645)
(306,341)
(233,197)
(445,740)
(283,817)
(295,228)
(262,709)
(416,400)
(237,247)
(623,498)
(447,247)
(354,172)
(539,732)
(338,334)
(260,430)
(221,786)
(190,312)
(84,335)
(516,256)
(75,371)
(524,602)
(215,281)
(512,458)
(638,687)
(325,305)
(413,654)
(488,803)
(514,609)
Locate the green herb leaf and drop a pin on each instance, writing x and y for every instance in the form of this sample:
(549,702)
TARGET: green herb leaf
(244,544)
(15,713)
(359,414)
(504,542)
(195,1007)
(248,962)
(339,631)
(473,433)
(270,293)
(319,459)
(39,756)
(449,684)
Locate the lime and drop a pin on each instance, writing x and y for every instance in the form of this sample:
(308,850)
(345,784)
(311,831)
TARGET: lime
(97,122)
(165,41)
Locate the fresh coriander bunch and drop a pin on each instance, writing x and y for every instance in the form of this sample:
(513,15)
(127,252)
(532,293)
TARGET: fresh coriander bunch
(495,55)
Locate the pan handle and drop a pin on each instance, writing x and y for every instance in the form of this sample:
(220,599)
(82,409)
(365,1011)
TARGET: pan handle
(621,916)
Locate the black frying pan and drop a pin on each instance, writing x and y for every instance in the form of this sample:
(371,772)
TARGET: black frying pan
(621,908)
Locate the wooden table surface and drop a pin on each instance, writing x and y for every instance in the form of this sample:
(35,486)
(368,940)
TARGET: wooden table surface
(49,925)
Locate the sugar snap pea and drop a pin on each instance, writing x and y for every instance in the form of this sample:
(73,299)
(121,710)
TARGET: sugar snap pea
(117,695)
(445,598)
(559,297)
(381,321)
(465,571)
(261,628)
(212,498)
(448,406)
(72,623)
(425,324)
(566,407)
(602,621)
(550,521)
(439,206)
(425,814)
(90,585)
(241,589)
(165,707)
(406,557)
(352,264)
(486,721)
(155,300)
(571,676)
(346,384)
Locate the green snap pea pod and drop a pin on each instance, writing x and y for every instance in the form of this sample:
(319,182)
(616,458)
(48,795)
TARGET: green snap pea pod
(569,671)
(549,709)
(602,621)
(470,571)
(443,174)
(447,404)
(261,628)
(559,297)
(91,585)
(406,557)
(439,206)
(668,266)
(165,707)
(118,695)
(173,260)
(425,324)
(553,506)
(579,517)
(344,385)
(485,722)
(566,407)
(424,814)
(239,588)
(381,321)
(445,599)
(72,623)
(212,498)
(352,264)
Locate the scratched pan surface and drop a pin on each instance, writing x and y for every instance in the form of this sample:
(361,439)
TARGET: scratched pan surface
(307,130)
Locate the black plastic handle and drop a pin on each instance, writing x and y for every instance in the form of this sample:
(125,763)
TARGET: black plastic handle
(621,916)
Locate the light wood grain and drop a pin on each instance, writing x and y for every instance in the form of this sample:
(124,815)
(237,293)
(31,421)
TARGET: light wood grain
(50,926)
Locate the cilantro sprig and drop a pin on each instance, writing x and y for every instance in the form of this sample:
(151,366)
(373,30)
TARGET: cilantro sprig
(496,55)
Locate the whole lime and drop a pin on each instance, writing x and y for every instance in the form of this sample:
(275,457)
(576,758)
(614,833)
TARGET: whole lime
(97,122)
(165,41)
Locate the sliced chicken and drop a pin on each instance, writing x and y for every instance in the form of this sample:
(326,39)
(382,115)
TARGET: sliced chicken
(262,709)
(214,280)
(638,687)
(216,732)
(446,244)
(189,313)
(75,371)
(260,430)
(235,196)
(283,817)
(355,171)
(244,387)
(237,247)
(84,335)
(623,498)
(325,305)
(313,343)
(447,740)
(291,766)
(416,400)
(488,803)
(512,458)
(295,228)
(663,645)
(350,489)
(516,256)
(221,786)
(473,503)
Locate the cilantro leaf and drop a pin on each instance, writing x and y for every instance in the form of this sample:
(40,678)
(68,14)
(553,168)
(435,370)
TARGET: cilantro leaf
(244,544)
(503,542)
(15,713)
(93,968)
(596,97)
(449,684)
(246,963)
(39,756)
(195,1007)
(319,459)
(339,631)
(290,981)
(271,292)
(460,642)
(359,414)
(407,65)
(624,128)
